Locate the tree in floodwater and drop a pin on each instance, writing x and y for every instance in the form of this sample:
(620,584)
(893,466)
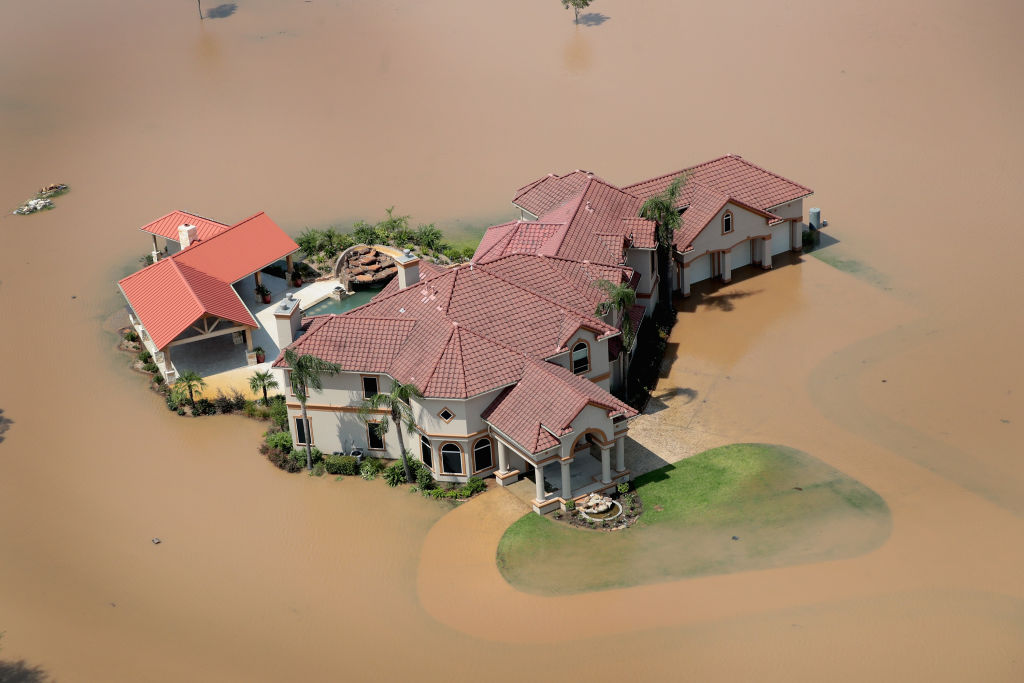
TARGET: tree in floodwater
(304,374)
(576,5)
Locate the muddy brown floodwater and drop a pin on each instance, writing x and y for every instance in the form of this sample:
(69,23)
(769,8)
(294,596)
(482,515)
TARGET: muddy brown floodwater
(901,367)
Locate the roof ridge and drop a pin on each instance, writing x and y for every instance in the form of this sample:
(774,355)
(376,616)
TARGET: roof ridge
(688,168)
(539,296)
(188,285)
(772,173)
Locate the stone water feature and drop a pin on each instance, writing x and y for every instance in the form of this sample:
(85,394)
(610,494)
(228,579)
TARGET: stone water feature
(364,265)
(596,506)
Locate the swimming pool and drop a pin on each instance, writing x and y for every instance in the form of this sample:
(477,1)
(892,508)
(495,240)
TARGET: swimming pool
(332,305)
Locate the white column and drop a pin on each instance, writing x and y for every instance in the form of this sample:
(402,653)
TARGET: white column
(502,458)
(539,472)
(766,255)
(796,238)
(566,480)
(686,281)
(620,453)
(726,266)
(606,464)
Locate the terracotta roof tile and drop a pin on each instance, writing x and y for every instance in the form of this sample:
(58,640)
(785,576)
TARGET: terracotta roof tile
(545,402)
(544,194)
(167,226)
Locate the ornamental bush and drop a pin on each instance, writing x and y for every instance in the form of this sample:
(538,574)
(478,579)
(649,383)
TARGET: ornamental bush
(370,468)
(424,480)
(340,464)
(299,456)
(473,486)
(205,406)
(280,440)
(279,413)
(623,487)
(394,474)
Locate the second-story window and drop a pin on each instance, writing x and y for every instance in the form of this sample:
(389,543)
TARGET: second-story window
(370,387)
(727,222)
(580,358)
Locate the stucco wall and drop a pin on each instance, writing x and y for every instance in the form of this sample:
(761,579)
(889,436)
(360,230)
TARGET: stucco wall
(640,260)
(745,224)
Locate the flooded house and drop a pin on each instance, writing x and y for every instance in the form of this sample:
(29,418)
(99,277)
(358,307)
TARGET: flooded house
(513,360)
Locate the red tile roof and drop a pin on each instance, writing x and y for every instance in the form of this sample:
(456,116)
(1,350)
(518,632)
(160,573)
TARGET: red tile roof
(170,295)
(167,226)
(544,194)
(732,175)
(544,403)
(240,250)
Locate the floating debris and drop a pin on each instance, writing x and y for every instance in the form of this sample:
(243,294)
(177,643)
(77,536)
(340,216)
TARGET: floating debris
(735,538)
(52,190)
(156,541)
(33,205)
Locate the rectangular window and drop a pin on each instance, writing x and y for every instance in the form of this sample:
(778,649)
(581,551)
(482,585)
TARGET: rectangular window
(300,432)
(375,440)
(369,387)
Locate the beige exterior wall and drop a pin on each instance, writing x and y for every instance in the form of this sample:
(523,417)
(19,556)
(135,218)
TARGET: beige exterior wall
(644,262)
(600,367)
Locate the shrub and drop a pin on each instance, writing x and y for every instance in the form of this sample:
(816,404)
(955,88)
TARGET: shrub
(473,486)
(299,456)
(340,464)
(280,440)
(145,356)
(204,406)
(181,411)
(279,414)
(238,401)
(623,487)
(424,480)
(394,474)
(222,403)
(319,469)
(250,409)
(370,468)
(557,514)
(150,367)
(570,505)
(131,335)
(172,403)
(158,379)
(284,460)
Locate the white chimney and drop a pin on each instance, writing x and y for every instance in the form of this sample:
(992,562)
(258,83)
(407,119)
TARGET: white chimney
(408,269)
(187,234)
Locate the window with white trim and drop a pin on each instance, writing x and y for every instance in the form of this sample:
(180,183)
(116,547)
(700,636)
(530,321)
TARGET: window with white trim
(727,222)
(301,431)
(580,358)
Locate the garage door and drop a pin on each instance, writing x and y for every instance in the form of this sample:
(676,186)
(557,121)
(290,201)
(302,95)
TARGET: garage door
(741,255)
(780,238)
(700,269)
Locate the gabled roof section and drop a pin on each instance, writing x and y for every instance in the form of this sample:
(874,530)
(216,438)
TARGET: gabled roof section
(520,237)
(167,226)
(644,233)
(171,294)
(732,175)
(544,404)
(705,203)
(168,297)
(240,250)
(544,194)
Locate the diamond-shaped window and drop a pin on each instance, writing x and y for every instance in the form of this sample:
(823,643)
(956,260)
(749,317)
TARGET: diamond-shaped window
(446,415)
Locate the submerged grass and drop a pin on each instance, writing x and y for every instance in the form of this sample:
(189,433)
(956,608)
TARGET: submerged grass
(784,506)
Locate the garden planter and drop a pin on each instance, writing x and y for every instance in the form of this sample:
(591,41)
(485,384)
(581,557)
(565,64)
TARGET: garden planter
(260,357)
(266,298)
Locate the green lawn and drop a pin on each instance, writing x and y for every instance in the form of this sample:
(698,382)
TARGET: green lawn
(692,510)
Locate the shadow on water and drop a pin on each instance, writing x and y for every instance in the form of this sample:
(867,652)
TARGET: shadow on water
(723,301)
(593,19)
(20,672)
(5,424)
(222,11)
(659,402)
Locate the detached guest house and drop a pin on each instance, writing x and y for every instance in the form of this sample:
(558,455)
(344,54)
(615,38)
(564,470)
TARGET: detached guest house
(195,292)
(513,361)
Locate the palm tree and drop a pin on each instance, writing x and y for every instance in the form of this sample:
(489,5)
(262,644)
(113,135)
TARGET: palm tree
(661,209)
(191,383)
(399,411)
(262,379)
(305,372)
(621,298)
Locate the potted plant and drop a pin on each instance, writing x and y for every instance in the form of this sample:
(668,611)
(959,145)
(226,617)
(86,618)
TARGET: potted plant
(261,355)
(297,279)
(263,292)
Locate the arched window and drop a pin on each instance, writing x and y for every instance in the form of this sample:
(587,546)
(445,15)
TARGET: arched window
(451,459)
(482,458)
(580,358)
(726,222)
(426,452)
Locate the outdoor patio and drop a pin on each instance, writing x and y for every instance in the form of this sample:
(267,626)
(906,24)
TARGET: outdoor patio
(222,361)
